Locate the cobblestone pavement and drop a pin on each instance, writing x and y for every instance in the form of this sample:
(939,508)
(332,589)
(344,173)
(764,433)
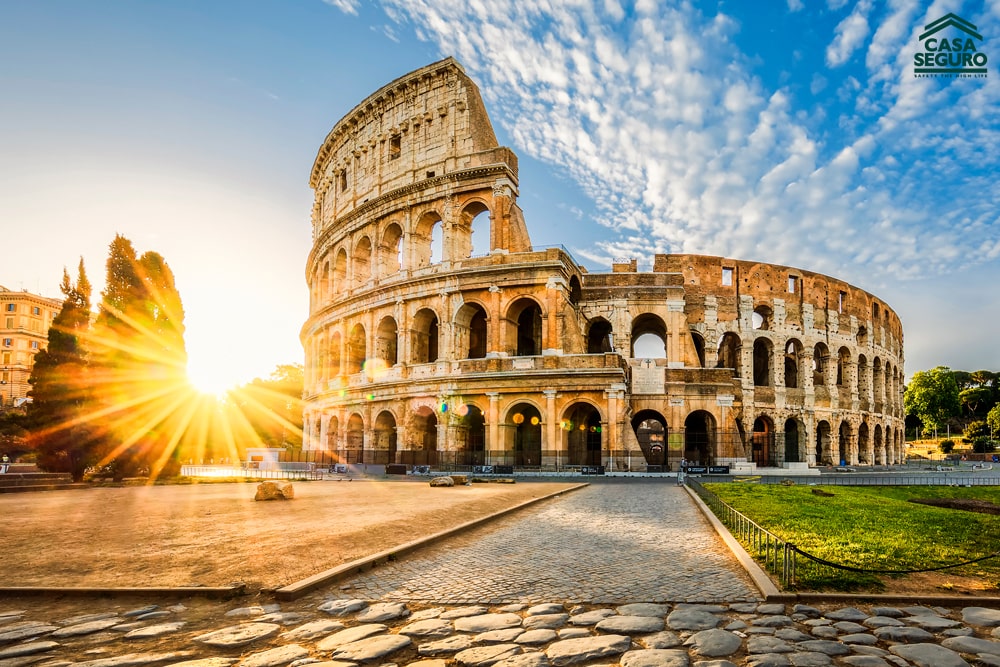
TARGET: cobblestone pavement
(610,543)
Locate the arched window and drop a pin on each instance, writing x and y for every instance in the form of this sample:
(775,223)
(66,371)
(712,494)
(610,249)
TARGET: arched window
(386,337)
(699,347)
(391,250)
(599,336)
(792,363)
(361,261)
(470,435)
(526,316)
(761,318)
(762,376)
(357,350)
(424,344)
(649,337)
(821,357)
(729,353)
(384,438)
(470,331)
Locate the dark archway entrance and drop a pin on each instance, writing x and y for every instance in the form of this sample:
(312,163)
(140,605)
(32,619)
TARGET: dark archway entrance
(651,431)
(699,438)
(527,424)
(582,426)
(792,441)
(763,442)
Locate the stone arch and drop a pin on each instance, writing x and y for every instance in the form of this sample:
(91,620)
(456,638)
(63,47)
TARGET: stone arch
(332,443)
(762,318)
(844,436)
(423,433)
(843,362)
(325,289)
(524,423)
(864,377)
(699,347)
(700,437)
(763,375)
(384,437)
(651,430)
(524,327)
(862,336)
(471,335)
(424,337)
(878,445)
(387,341)
(340,272)
(575,290)
(332,362)
(793,363)
(793,449)
(423,238)
(864,445)
(361,261)
(581,424)
(878,384)
(729,352)
(470,434)
(649,337)
(762,441)
(357,349)
(355,436)
(471,237)
(821,358)
(599,339)
(824,444)
(391,250)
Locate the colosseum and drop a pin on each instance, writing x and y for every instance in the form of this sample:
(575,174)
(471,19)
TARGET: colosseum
(439,336)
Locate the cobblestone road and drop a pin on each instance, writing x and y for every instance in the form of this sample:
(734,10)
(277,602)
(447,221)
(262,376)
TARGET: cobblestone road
(610,543)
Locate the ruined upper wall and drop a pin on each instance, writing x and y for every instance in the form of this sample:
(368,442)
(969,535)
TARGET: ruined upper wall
(423,125)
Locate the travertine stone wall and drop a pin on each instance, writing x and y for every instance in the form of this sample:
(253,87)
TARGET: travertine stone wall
(423,347)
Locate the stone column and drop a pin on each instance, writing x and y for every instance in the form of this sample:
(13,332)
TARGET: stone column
(493,423)
(552,442)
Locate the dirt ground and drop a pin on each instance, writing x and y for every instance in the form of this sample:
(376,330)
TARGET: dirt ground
(216,534)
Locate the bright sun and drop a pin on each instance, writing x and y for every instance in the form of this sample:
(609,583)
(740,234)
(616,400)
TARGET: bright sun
(208,382)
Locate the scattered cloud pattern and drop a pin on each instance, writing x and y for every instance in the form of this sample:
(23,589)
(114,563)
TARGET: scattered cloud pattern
(860,169)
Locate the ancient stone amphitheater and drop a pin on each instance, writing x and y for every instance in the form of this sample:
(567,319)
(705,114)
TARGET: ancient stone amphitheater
(439,336)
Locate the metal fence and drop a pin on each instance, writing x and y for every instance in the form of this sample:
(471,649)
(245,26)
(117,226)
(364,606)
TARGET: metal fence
(777,556)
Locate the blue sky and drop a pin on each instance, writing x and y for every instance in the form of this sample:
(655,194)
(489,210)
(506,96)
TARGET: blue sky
(781,130)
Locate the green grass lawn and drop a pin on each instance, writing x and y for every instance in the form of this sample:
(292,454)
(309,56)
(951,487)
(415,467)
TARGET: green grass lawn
(872,528)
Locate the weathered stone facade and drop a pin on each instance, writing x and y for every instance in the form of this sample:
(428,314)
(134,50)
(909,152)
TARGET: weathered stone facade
(424,346)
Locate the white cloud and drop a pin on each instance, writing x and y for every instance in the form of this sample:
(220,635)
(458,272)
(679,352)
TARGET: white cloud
(850,34)
(346,6)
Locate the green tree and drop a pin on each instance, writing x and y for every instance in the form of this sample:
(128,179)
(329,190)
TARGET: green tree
(62,406)
(947,447)
(933,397)
(963,379)
(976,429)
(273,407)
(974,397)
(993,420)
(140,362)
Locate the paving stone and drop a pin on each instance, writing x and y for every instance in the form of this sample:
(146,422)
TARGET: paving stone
(643,609)
(431,627)
(140,611)
(383,611)
(275,657)
(461,612)
(824,646)
(527,659)
(571,651)
(905,635)
(981,616)
(86,618)
(151,631)
(630,625)
(452,644)
(545,621)
(153,615)
(87,628)
(882,622)
(135,659)
(931,622)
(429,663)
(860,638)
(744,607)
(771,608)
(714,643)
(312,630)
(504,636)
(342,607)
(487,622)
(809,659)
(20,631)
(572,633)
(971,645)
(283,617)
(792,635)
(350,635)
(536,637)
(591,617)
(483,656)
(851,626)
(29,648)
(807,611)
(246,612)
(207,662)
(424,614)
(891,612)
(847,614)
(768,660)
(768,645)
(239,635)
(546,610)
(692,619)
(776,621)
(865,661)
(655,658)
(371,648)
(929,655)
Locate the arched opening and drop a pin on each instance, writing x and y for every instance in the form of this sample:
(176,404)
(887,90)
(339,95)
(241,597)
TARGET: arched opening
(423,436)
(864,382)
(355,438)
(325,290)
(526,422)
(792,361)
(470,331)
(480,233)
(357,350)
(762,363)
(651,432)
(332,369)
(699,438)
(386,341)
(391,250)
(761,318)
(763,442)
(649,337)
(526,316)
(582,426)
(332,443)
(864,445)
(792,441)
(729,353)
(821,357)
(437,243)
(844,443)
(599,336)
(699,347)
(470,433)
(862,336)
(340,272)
(824,451)
(424,337)
(843,363)
(575,291)
(880,457)
(385,438)
(427,231)
(878,384)
(361,261)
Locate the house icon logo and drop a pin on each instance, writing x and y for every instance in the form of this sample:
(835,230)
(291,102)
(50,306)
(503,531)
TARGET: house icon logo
(951,48)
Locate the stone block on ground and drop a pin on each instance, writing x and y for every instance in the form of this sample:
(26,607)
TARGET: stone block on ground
(443,481)
(274,491)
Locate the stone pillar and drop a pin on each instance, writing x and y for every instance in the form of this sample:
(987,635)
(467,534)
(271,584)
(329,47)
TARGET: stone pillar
(551,340)
(497,320)
(552,441)
(493,442)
